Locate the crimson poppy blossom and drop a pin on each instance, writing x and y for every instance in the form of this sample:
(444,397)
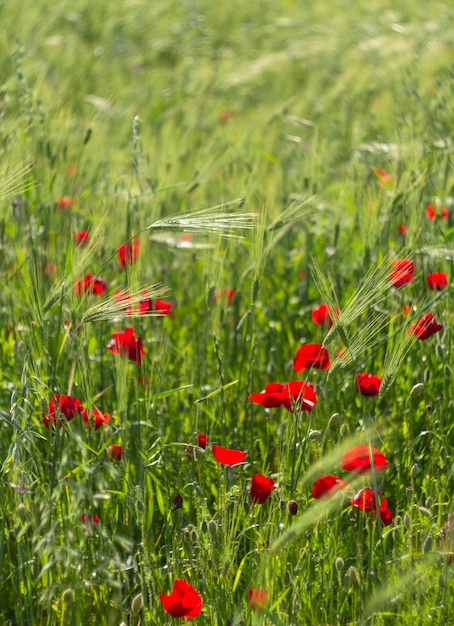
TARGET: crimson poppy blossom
(261,488)
(311,355)
(327,486)
(99,418)
(202,440)
(256,599)
(89,519)
(184,601)
(68,406)
(402,272)
(227,456)
(294,395)
(430,212)
(128,253)
(125,344)
(115,452)
(366,500)
(324,316)
(65,202)
(437,281)
(425,327)
(367,384)
(226,294)
(90,284)
(402,229)
(444,213)
(358,460)
(81,238)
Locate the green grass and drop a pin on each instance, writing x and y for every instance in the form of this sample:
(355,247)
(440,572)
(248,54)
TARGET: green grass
(242,143)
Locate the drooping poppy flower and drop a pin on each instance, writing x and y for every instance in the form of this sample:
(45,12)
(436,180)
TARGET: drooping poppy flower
(99,418)
(90,284)
(402,272)
(115,452)
(125,344)
(311,355)
(128,253)
(227,456)
(202,440)
(437,281)
(184,601)
(324,316)
(367,384)
(261,488)
(256,599)
(366,501)
(68,406)
(358,460)
(65,202)
(81,238)
(89,519)
(294,395)
(426,327)
(327,486)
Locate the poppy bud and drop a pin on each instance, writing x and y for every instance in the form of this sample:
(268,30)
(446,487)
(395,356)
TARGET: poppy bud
(427,545)
(292,507)
(417,390)
(137,603)
(339,563)
(67,597)
(414,470)
(406,521)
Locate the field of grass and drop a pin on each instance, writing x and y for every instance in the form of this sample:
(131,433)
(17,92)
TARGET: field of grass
(182,185)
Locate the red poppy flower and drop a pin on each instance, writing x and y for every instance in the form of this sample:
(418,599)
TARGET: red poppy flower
(68,406)
(162,307)
(324,316)
(430,212)
(406,309)
(366,501)
(299,396)
(202,440)
(256,599)
(311,355)
(358,460)
(89,519)
(177,502)
(295,394)
(99,418)
(261,488)
(184,601)
(326,486)
(65,202)
(128,253)
(115,452)
(402,272)
(124,344)
(402,229)
(225,294)
(90,284)
(367,384)
(81,238)
(437,281)
(426,327)
(226,456)
(444,213)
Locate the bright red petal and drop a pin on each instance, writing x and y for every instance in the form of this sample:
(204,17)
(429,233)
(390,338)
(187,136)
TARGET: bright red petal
(226,456)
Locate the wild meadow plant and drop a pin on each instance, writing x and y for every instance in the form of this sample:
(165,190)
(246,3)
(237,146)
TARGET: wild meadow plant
(226,309)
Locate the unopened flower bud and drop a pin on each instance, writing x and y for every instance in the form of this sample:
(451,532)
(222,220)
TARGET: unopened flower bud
(292,507)
(137,603)
(406,520)
(339,563)
(427,545)
(417,390)
(414,470)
